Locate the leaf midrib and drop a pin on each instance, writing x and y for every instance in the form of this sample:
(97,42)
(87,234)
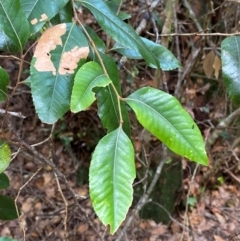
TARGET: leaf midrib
(128,34)
(162,117)
(20,44)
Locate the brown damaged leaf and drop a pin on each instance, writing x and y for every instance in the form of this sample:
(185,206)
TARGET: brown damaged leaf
(70,59)
(48,42)
(43,18)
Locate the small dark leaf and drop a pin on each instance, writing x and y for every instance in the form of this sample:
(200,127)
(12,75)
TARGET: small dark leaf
(7,208)
(4,181)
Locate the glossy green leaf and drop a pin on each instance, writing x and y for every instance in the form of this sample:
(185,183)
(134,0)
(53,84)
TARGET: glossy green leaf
(114,6)
(54,63)
(40,11)
(163,116)
(95,38)
(118,29)
(66,13)
(107,100)
(4,80)
(167,60)
(5,156)
(4,181)
(14,26)
(7,208)
(89,76)
(231,66)
(111,175)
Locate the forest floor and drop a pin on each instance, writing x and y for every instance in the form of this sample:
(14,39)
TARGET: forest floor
(213,192)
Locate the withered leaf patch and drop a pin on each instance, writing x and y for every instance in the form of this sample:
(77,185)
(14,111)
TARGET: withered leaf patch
(68,61)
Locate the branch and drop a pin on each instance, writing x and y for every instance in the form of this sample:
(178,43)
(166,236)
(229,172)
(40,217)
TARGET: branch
(3,112)
(199,34)
(223,124)
(56,171)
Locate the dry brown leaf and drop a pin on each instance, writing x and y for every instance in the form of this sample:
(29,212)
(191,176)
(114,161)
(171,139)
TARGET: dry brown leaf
(47,178)
(82,228)
(39,183)
(217,238)
(144,224)
(5,232)
(220,218)
(216,66)
(159,229)
(208,64)
(27,205)
(175,227)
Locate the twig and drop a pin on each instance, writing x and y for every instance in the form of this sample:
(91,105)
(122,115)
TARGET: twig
(3,112)
(145,198)
(223,124)
(58,184)
(170,216)
(200,34)
(15,201)
(186,209)
(189,65)
(192,15)
(45,160)
(232,175)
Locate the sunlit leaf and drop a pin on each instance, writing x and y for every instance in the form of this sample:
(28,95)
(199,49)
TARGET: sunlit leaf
(112,172)
(89,76)
(163,116)
(5,155)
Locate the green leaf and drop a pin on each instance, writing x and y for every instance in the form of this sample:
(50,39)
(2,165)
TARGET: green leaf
(64,15)
(167,60)
(7,239)
(231,66)
(14,26)
(4,80)
(111,175)
(163,116)
(54,63)
(107,100)
(95,38)
(4,181)
(7,208)
(5,156)
(40,11)
(89,76)
(118,30)
(114,6)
